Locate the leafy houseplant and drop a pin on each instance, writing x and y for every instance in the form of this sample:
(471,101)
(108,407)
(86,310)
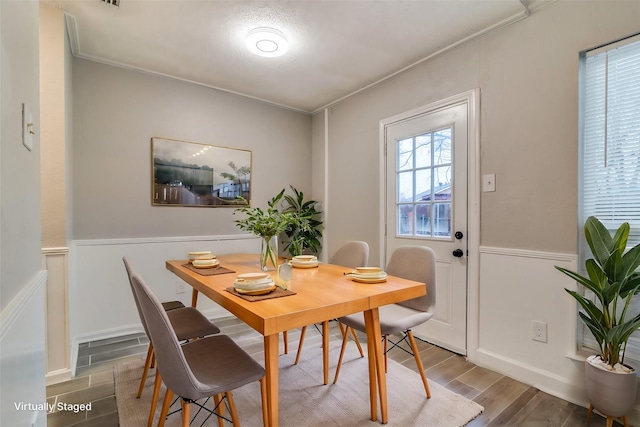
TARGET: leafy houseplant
(307,231)
(267,224)
(614,281)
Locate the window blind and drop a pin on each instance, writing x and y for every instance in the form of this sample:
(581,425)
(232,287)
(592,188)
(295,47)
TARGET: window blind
(610,148)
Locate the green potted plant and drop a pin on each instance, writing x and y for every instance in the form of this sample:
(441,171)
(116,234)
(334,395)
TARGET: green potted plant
(304,234)
(613,279)
(267,224)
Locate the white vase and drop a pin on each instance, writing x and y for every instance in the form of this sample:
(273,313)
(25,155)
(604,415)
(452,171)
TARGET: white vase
(269,253)
(611,393)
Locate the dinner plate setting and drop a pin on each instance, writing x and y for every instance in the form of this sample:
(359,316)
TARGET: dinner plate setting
(203,259)
(368,275)
(254,284)
(304,261)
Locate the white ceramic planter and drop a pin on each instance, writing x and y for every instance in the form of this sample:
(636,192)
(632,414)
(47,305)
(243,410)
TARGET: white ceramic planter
(611,393)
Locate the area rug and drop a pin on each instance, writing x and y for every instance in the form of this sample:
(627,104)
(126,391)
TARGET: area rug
(305,401)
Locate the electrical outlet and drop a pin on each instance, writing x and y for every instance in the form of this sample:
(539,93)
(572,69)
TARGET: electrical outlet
(539,331)
(180,288)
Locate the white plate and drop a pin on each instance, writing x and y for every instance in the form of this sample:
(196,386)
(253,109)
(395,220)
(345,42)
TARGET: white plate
(305,258)
(369,279)
(253,276)
(253,286)
(257,292)
(205,262)
(368,270)
(379,276)
(201,255)
(304,264)
(253,282)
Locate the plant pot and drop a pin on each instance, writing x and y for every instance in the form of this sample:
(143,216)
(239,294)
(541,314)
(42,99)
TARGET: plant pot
(269,253)
(612,393)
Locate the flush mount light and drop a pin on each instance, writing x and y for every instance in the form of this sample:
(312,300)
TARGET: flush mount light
(265,41)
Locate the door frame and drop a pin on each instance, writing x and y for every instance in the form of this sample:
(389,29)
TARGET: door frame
(472,99)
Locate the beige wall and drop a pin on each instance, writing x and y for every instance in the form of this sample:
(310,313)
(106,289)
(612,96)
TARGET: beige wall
(53,126)
(528,77)
(116,112)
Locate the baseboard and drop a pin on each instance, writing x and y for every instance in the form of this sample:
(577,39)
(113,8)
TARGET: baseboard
(55,377)
(543,380)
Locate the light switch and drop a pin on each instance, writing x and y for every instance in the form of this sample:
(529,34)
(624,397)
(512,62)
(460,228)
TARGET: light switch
(489,182)
(27,127)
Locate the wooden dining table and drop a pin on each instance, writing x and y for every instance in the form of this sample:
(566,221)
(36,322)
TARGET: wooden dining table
(321,294)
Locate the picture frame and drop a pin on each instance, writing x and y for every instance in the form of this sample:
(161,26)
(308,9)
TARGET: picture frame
(188,173)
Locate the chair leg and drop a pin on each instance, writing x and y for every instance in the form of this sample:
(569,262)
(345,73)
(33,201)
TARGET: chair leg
(416,354)
(154,398)
(609,421)
(345,336)
(220,409)
(165,408)
(263,395)
(145,371)
(285,336)
(355,338)
(385,340)
(186,412)
(302,332)
(232,408)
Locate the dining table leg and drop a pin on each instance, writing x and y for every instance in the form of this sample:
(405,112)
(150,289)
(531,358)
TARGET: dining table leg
(271,354)
(325,351)
(377,375)
(194,297)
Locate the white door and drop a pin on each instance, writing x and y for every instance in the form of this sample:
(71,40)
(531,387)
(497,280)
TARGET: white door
(426,204)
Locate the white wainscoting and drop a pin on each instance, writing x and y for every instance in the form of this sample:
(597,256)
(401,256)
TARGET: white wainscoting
(101,302)
(55,261)
(516,288)
(22,340)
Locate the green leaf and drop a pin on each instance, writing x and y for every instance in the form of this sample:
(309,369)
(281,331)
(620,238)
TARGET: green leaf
(598,238)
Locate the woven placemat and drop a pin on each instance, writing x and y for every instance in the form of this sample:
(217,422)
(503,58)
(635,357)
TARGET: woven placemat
(277,293)
(208,271)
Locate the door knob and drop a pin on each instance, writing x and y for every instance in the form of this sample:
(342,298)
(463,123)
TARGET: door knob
(459,235)
(458,253)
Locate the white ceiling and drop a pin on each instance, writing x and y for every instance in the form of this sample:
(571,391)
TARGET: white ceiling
(337,47)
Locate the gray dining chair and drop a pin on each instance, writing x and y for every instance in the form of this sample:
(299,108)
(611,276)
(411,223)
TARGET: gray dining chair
(211,366)
(352,254)
(187,322)
(416,263)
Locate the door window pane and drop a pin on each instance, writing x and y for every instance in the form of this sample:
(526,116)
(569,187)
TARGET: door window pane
(405,187)
(423,177)
(442,219)
(405,154)
(423,220)
(423,151)
(442,186)
(405,220)
(442,146)
(423,185)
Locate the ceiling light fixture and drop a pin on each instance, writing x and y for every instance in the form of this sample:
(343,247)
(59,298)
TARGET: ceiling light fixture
(266,41)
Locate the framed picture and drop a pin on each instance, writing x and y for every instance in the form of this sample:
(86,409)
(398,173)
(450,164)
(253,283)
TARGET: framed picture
(193,174)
